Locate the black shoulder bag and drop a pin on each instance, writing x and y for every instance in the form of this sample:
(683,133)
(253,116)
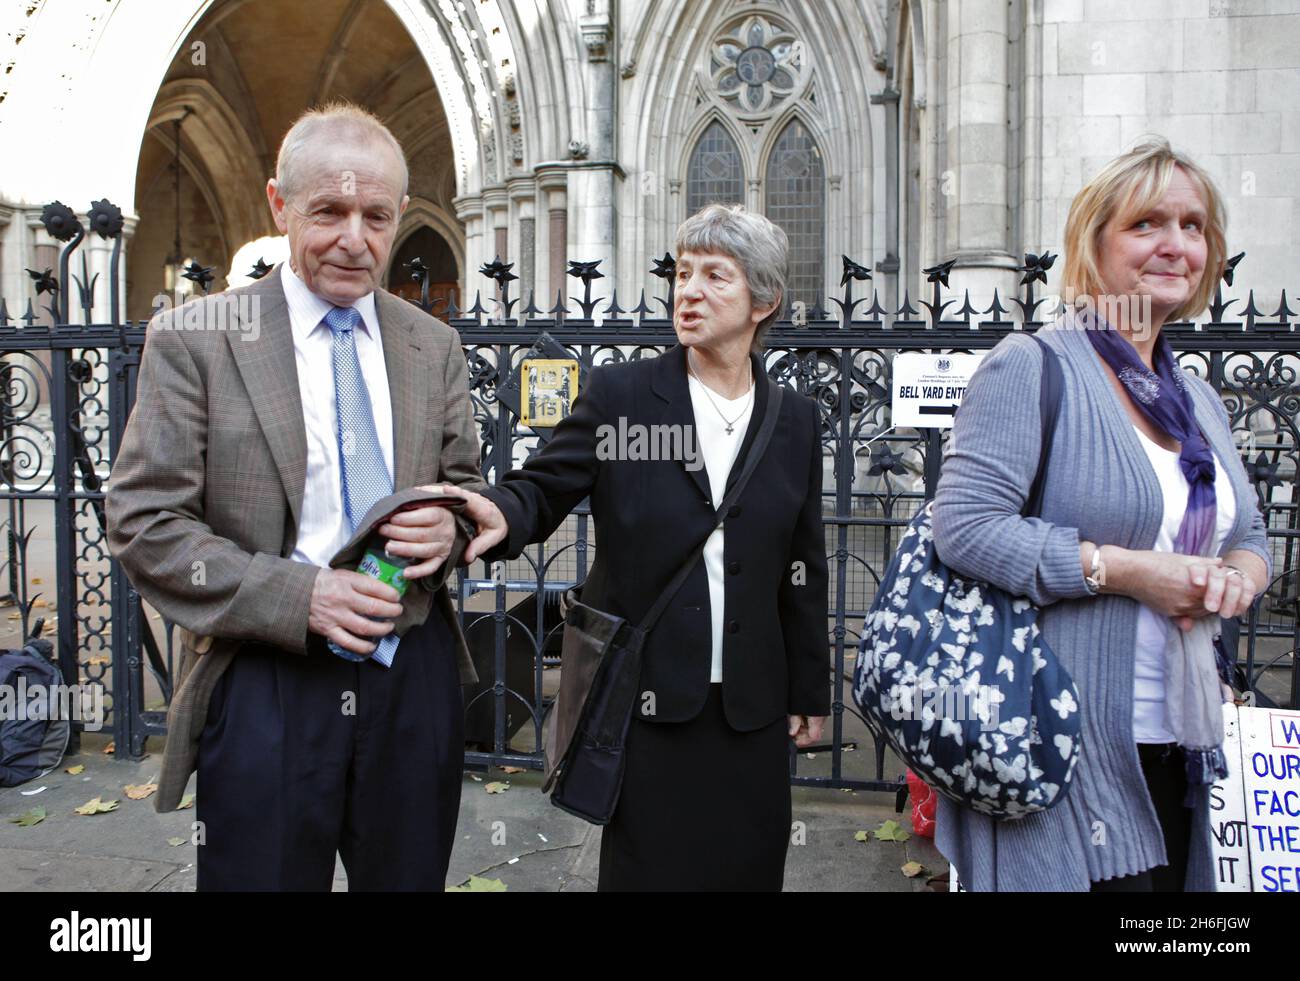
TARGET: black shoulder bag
(587,727)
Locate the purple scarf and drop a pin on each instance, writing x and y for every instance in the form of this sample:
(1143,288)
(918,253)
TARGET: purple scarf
(1162,397)
(1193,700)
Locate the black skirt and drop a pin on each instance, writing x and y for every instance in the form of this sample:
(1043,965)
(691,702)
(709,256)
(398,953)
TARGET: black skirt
(703,807)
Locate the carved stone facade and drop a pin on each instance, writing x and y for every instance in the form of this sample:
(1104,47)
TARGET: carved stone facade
(901,133)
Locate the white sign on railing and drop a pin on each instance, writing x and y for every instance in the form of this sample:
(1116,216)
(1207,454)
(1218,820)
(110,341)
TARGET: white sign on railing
(1228,829)
(928,388)
(1255,810)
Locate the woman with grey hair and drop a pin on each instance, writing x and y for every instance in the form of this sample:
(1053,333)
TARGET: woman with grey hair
(738,666)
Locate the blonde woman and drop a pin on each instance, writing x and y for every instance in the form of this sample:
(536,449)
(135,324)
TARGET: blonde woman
(1150,532)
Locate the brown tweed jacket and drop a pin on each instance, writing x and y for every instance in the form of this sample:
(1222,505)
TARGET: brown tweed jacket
(206,489)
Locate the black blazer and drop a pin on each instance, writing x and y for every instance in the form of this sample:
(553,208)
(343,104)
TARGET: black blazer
(647,514)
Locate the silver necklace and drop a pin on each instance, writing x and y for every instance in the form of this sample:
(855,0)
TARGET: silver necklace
(730,423)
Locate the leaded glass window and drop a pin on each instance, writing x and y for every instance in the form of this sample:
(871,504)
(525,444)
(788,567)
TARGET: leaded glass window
(715,174)
(796,200)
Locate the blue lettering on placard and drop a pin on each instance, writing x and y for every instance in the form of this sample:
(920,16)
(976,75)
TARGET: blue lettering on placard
(1271,802)
(1280,878)
(1279,838)
(1282,766)
(1290,731)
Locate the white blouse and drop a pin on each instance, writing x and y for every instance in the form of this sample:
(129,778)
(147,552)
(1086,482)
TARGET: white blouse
(720,451)
(1150,724)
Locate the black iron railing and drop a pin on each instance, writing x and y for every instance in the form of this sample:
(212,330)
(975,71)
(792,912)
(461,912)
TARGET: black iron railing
(68,389)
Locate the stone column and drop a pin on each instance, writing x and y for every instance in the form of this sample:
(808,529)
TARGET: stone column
(523,222)
(45,250)
(552,244)
(9,281)
(978,148)
(470,211)
(595,170)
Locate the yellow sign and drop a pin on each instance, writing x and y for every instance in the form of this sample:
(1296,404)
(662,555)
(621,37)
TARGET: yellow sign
(549,388)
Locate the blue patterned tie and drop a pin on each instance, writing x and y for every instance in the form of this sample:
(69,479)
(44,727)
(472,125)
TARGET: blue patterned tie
(364,474)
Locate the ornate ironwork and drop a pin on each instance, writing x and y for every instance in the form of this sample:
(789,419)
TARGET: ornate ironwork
(66,391)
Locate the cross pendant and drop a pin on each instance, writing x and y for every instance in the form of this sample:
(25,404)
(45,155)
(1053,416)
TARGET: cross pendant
(729,430)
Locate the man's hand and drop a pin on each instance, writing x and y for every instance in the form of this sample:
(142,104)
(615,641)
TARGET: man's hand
(343,604)
(806,730)
(424,533)
(492,527)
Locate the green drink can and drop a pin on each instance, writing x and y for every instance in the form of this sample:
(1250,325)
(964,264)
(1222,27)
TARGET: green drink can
(378,564)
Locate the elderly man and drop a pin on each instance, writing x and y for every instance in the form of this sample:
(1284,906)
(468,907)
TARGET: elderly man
(322,715)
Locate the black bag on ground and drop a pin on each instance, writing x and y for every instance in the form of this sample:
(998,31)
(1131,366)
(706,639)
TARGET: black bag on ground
(33,733)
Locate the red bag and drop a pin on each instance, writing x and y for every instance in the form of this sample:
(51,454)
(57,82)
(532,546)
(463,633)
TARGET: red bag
(924,801)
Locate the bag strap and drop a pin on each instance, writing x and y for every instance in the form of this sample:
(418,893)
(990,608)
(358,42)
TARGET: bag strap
(756,450)
(1049,408)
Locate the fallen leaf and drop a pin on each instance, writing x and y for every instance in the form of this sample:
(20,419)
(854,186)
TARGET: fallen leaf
(15,616)
(891,830)
(139,791)
(96,806)
(108,750)
(861,836)
(913,869)
(36,580)
(35,816)
(38,604)
(496,787)
(74,770)
(478,884)
(99,659)
(512,769)
(176,841)
(186,803)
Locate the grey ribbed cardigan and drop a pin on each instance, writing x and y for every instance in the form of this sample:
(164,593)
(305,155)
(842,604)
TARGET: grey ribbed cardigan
(1099,487)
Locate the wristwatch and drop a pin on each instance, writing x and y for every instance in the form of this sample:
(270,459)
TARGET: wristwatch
(1097,576)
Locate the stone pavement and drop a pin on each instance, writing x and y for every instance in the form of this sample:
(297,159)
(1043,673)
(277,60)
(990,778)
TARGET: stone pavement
(516,836)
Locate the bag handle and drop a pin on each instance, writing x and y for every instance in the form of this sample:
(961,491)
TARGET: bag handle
(1050,390)
(1049,408)
(756,450)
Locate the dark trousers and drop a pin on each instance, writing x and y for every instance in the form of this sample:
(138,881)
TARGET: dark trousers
(303,757)
(1162,766)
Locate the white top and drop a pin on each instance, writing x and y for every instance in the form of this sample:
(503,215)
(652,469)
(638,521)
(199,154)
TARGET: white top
(720,451)
(1150,724)
(323,528)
